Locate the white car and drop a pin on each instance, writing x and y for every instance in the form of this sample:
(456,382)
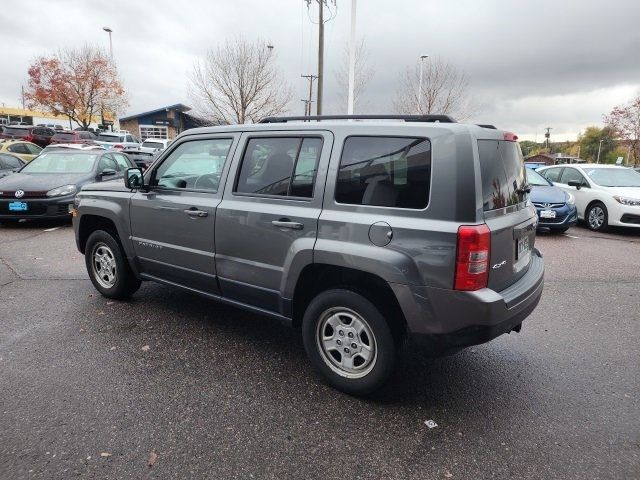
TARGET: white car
(604,194)
(118,140)
(152,145)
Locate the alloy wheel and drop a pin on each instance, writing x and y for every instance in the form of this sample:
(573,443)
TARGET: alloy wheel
(104,265)
(596,217)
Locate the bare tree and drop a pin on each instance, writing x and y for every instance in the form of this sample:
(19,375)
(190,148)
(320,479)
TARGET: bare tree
(364,72)
(79,83)
(444,91)
(238,82)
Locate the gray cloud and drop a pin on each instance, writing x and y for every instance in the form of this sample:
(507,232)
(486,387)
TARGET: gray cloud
(531,63)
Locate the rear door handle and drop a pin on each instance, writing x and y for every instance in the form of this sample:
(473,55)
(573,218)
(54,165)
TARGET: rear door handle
(195,213)
(286,223)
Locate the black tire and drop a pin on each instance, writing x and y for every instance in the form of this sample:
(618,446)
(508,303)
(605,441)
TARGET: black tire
(124,282)
(559,231)
(600,211)
(372,374)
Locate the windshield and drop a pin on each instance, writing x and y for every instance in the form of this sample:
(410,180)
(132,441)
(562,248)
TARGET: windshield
(614,177)
(534,178)
(152,144)
(110,138)
(61,162)
(64,136)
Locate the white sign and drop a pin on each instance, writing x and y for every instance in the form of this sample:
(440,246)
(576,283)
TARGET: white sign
(619,161)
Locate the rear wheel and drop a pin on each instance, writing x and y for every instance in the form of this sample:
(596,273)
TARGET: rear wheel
(348,341)
(108,268)
(597,217)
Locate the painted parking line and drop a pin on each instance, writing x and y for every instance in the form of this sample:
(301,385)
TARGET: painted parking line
(51,229)
(570,236)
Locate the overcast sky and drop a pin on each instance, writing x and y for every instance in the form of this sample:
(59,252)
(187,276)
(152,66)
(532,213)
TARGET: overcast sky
(531,64)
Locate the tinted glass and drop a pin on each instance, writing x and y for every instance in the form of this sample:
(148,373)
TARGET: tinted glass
(503,174)
(385,171)
(148,144)
(122,162)
(571,175)
(129,138)
(110,138)
(32,149)
(306,167)
(106,162)
(196,165)
(65,136)
(10,162)
(16,131)
(19,148)
(614,177)
(534,178)
(267,165)
(552,174)
(61,162)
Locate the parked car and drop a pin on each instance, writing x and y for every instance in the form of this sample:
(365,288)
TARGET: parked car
(41,136)
(73,136)
(361,233)
(118,140)
(556,208)
(142,159)
(153,145)
(604,194)
(27,151)
(9,164)
(46,186)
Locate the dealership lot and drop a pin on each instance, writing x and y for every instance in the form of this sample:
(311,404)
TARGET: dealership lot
(201,390)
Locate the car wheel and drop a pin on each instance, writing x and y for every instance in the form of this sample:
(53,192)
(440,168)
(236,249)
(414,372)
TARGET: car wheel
(597,217)
(108,267)
(348,341)
(559,230)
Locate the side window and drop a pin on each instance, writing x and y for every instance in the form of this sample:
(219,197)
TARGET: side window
(552,174)
(572,175)
(196,164)
(107,162)
(122,162)
(284,166)
(18,148)
(32,149)
(10,162)
(385,171)
(129,138)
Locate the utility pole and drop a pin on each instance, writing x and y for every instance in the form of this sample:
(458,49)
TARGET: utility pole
(422,59)
(307,106)
(599,148)
(547,137)
(22,88)
(320,56)
(309,101)
(352,60)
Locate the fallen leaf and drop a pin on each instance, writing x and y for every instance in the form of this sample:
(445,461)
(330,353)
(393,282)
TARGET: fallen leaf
(146,348)
(112,348)
(448,474)
(152,459)
(100,313)
(105,454)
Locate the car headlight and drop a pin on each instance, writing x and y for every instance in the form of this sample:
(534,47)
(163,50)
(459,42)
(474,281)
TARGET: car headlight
(63,190)
(571,200)
(631,202)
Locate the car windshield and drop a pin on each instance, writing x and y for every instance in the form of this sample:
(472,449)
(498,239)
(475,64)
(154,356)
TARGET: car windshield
(61,162)
(535,179)
(614,177)
(110,138)
(64,136)
(148,144)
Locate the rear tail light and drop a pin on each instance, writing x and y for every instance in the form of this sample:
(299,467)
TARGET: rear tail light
(472,257)
(510,137)
(117,145)
(28,138)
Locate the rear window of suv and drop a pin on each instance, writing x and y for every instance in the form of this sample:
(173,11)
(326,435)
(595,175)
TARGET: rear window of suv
(385,172)
(503,174)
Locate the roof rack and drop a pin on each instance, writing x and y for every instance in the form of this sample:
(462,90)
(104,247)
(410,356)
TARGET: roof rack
(406,118)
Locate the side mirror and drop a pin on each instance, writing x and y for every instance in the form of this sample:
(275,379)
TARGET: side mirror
(133,178)
(573,183)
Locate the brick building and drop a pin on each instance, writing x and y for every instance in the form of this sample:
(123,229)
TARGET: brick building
(553,159)
(164,122)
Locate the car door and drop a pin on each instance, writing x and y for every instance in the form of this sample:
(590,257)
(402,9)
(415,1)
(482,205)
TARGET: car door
(269,212)
(581,195)
(173,222)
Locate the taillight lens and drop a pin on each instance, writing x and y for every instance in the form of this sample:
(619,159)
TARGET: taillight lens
(28,138)
(472,257)
(117,145)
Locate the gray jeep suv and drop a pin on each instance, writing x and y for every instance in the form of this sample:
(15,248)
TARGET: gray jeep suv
(363,233)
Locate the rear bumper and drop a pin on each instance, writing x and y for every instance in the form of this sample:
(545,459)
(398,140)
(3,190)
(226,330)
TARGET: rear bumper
(458,319)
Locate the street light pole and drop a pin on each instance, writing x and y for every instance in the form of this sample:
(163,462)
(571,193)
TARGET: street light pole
(109,31)
(422,58)
(352,60)
(599,148)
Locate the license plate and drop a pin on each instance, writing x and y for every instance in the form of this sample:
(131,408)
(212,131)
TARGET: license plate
(547,214)
(523,247)
(18,207)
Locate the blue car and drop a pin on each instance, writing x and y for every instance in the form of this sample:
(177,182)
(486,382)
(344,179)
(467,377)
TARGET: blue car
(556,208)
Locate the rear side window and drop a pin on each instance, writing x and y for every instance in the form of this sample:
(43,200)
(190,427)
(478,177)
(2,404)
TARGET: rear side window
(572,175)
(9,162)
(385,172)
(552,174)
(283,166)
(503,174)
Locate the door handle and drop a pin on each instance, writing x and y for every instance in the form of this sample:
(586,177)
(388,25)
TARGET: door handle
(195,212)
(286,223)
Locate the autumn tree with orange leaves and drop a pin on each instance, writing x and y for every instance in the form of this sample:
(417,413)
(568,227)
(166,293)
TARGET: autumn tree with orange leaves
(77,83)
(625,121)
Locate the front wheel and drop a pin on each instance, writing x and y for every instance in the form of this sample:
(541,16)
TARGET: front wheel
(598,217)
(348,341)
(108,268)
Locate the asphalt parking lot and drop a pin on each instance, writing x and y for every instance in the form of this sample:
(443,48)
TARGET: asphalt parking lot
(170,385)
